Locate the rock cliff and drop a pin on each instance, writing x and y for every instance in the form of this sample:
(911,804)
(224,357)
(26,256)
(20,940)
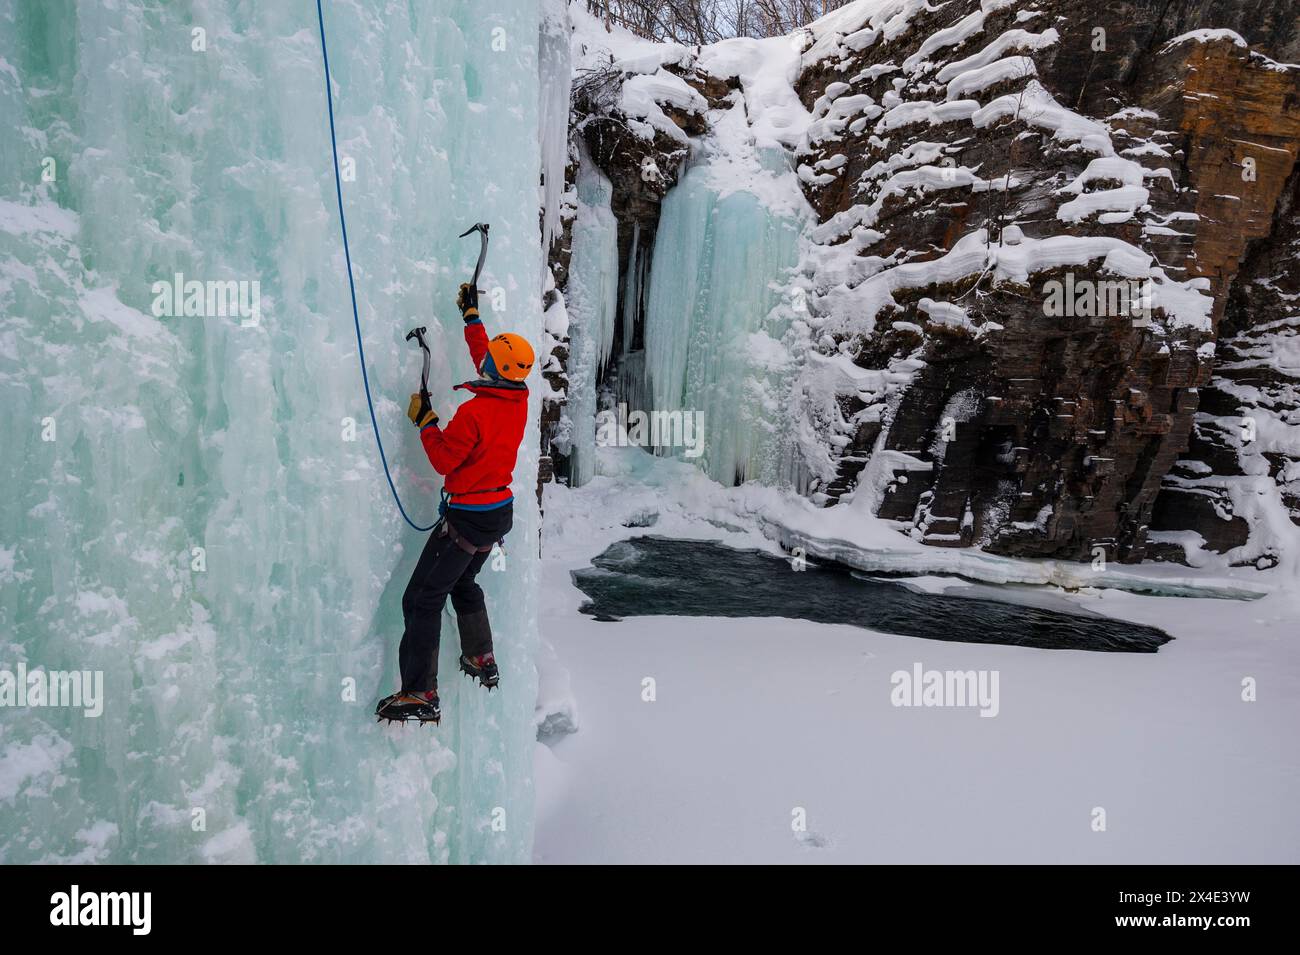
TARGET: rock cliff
(1054,280)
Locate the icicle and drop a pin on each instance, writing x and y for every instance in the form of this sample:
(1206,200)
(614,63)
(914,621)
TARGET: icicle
(592,303)
(556,75)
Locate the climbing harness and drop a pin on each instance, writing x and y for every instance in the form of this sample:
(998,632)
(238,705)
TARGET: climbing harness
(445,502)
(445,528)
(468,546)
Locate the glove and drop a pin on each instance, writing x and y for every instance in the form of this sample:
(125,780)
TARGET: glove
(467,301)
(420,412)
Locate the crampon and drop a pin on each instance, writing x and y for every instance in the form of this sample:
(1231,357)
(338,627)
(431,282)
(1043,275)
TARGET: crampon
(483,669)
(409,708)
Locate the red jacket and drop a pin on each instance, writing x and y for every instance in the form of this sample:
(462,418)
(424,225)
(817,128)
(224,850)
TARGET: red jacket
(476,452)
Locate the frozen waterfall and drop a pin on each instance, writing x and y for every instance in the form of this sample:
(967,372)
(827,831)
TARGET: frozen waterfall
(717,318)
(193,503)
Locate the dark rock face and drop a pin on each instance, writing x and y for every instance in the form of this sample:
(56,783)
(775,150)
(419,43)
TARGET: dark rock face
(552,461)
(1244,433)
(1247,437)
(1052,435)
(1270,26)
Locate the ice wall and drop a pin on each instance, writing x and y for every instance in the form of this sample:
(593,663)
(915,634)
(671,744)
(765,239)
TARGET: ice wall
(718,312)
(193,505)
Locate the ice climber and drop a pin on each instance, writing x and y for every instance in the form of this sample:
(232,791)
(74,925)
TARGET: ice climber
(476,454)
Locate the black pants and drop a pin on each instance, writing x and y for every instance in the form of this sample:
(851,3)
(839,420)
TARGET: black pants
(446,569)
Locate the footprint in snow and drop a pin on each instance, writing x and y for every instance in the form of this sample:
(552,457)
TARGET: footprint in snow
(812,840)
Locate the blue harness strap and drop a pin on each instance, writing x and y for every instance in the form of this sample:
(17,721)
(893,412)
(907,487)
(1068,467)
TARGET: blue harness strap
(445,503)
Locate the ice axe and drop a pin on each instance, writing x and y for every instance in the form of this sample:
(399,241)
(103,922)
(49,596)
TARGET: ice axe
(418,335)
(482,229)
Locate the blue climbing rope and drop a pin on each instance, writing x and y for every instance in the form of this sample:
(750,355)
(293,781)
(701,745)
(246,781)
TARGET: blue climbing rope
(347,255)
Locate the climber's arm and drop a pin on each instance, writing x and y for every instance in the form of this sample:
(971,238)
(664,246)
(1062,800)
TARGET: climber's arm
(475,334)
(448,447)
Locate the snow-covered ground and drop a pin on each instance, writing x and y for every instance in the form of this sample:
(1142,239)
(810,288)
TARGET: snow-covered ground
(756,719)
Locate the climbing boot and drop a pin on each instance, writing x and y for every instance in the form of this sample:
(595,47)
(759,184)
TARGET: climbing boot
(482,668)
(410,708)
(476,657)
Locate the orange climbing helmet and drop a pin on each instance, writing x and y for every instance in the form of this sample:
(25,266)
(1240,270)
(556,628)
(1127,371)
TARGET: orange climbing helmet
(510,356)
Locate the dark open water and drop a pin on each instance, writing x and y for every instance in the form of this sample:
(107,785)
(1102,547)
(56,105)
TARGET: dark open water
(656,575)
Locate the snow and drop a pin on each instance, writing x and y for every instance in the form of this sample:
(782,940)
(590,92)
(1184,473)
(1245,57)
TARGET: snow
(887,785)
(1010,40)
(981,78)
(644,95)
(862,21)
(854,309)
(1130,196)
(1138,735)
(1052,754)
(766,70)
(952,316)
(1124,199)
(1208,36)
(1035,106)
(834,115)
(953,36)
